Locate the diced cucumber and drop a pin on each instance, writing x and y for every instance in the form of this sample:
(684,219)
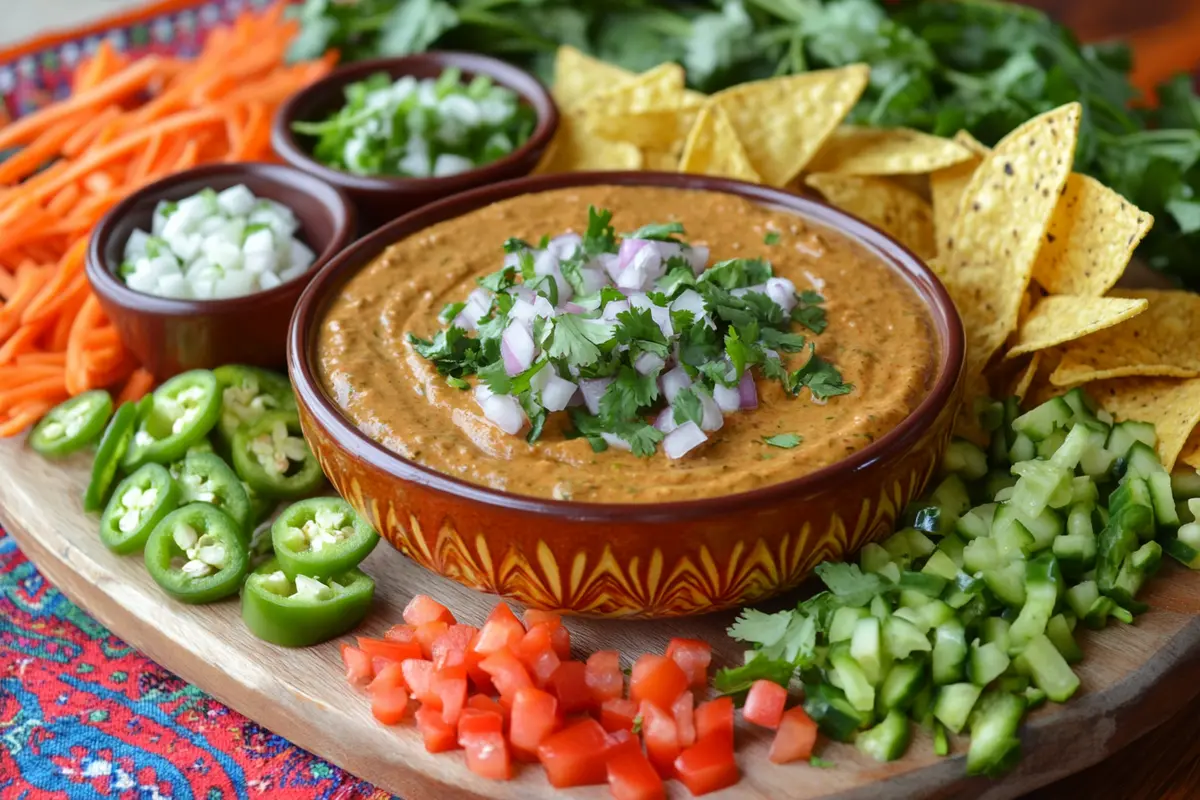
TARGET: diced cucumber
(976,522)
(890,571)
(1059,634)
(866,647)
(1007,583)
(873,558)
(901,685)
(858,690)
(1049,670)
(1185,546)
(1023,449)
(941,742)
(952,545)
(911,599)
(1046,448)
(981,555)
(995,629)
(1034,697)
(1013,540)
(994,743)
(934,613)
(953,705)
(1042,582)
(888,740)
(949,653)
(1081,596)
(1084,492)
(939,565)
(901,638)
(1041,484)
(990,413)
(997,482)
(924,583)
(880,608)
(987,662)
(966,459)
(1124,434)
(1082,439)
(841,626)
(1163,500)
(1083,408)
(1012,682)
(1185,483)
(1043,420)
(830,709)
(1141,461)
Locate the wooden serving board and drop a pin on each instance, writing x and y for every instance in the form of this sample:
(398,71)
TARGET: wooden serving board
(1132,675)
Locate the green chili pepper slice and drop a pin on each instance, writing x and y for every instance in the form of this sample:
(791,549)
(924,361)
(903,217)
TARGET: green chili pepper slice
(303,611)
(249,392)
(204,445)
(260,506)
(182,412)
(321,537)
(197,554)
(136,507)
(111,450)
(206,478)
(272,456)
(71,426)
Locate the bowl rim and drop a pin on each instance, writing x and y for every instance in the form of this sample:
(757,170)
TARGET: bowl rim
(288,145)
(103,278)
(944,319)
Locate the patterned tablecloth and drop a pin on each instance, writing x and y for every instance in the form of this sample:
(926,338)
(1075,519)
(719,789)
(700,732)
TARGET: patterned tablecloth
(82,714)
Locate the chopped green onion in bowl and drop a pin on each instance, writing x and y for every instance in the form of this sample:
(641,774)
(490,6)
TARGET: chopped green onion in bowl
(411,128)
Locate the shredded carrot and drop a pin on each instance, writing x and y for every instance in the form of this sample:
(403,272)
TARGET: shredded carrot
(88,131)
(138,386)
(56,291)
(29,158)
(14,424)
(8,284)
(31,390)
(22,342)
(42,359)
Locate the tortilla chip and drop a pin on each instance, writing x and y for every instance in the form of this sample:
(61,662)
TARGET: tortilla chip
(854,150)
(713,148)
(1160,342)
(965,139)
(576,149)
(664,129)
(1190,454)
(782,122)
(946,187)
(1172,405)
(658,161)
(1090,240)
(578,76)
(898,212)
(1014,377)
(1004,213)
(660,87)
(1063,318)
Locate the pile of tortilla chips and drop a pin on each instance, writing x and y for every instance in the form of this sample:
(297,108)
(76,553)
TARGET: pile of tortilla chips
(1029,250)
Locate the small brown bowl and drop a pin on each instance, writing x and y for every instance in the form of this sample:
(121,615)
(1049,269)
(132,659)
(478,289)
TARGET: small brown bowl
(170,335)
(630,560)
(382,199)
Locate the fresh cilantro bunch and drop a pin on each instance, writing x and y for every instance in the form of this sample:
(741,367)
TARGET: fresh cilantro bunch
(552,325)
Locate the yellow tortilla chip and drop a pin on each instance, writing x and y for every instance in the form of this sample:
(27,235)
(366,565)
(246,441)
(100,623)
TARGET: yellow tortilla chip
(1172,405)
(898,212)
(1063,318)
(965,139)
(946,187)
(1160,342)
(1013,378)
(657,129)
(660,87)
(577,149)
(855,150)
(659,161)
(1090,240)
(1190,454)
(1003,215)
(782,122)
(577,76)
(713,148)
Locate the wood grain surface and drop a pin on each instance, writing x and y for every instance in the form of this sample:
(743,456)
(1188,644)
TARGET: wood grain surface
(1132,676)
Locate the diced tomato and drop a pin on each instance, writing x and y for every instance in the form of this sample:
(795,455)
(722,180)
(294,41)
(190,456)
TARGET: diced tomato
(450,648)
(684,710)
(482,681)
(418,675)
(390,675)
(657,679)
(439,735)
(617,714)
(475,722)
(764,703)
(630,774)
(559,635)
(536,651)
(575,755)
(795,738)
(359,670)
(423,608)
(534,717)
(661,736)
(400,633)
(427,633)
(488,756)
(560,640)
(707,766)
(569,685)
(507,673)
(604,678)
(482,702)
(621,738)
(394,651)
(535,616)
(693,657)
(502,630)
(377,664)
(450,684)
(389,699)
(715,718)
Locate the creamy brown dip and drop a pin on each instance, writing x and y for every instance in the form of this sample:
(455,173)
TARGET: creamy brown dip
(879,336)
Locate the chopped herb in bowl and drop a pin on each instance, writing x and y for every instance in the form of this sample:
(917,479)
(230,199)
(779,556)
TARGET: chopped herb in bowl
(412,128)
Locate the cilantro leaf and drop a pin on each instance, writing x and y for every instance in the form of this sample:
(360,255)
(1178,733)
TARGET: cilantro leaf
(575,339)
(741,351)
(780,340)
(525,264)
(500,382)
(687,407)
(499,280)
(736,680)
(643,437)
(570,270)
(821,763)
(589,427)
(822,378)
(720,372)
(811,317)
(678,276)
(852,586)
(811,297)
(787,635)
(638,329)
(451,351)
(457,383)
(784,440)
(771,238)
(600,236)
(514,245)
(737,273)
(657,231)
(610,295)
(449,312)
(760,628)
(535,413)
(627,394)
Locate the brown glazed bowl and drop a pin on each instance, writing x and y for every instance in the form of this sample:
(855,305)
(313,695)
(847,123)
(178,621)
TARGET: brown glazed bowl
(633,560)
(382,199)
(169,335)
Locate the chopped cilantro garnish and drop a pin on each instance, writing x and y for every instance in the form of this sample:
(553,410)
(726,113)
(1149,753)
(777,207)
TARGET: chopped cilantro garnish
(679,276)
(610,295)
(784,440)
(570,270)
(629,393)
(544,241)
(658,231)
(779,340)
(451,351)
(811,317)
(600,236)
(687,407)
(575,339)
(500,382)
(737,680)
(643,437)
(822,378)
(741,353)
(450,311)
(588,427)
(499,280)
(536,415)
(849,584)
(457,383)
(772,238)
(526,266)
(514,245)
(639,330)
(738,273)
(821,763)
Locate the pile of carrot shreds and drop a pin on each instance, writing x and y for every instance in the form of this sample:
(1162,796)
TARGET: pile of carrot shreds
(126,124)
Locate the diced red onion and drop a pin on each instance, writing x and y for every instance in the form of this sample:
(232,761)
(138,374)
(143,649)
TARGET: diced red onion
(593,279)
(641,270)
(758,288)
(547,263)
(690,300)
(557,393)
(713,419)
(728,399)
(697,256)
(610,263)
(667,250)
(482,392)
(542,307)
(517,348)
(673,382)
(564,246)
(523,311)
(683,440)
(615,441)
(647,363)
(613,308)
(479,302)
(539,379)
(783,292)
(593,389)
(629,249)
(574,308)
(662,317)
(505,413)
(576,400)
(522,292)
(748,391)
(665,421)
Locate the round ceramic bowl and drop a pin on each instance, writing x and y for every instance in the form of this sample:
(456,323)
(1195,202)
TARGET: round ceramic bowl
(634,560)
(382,199)
(169,335)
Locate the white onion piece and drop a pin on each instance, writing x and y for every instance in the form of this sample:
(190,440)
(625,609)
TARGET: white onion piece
(539,379)
(482,392)
(610,263)
(629,249)
(647,363)
(748,391)
(505,413)
(613,308)
(683,440)
(547,263)
(479,302)
(593,389)
(564,246)
(673,382)
(557,393)
(592,279)
(522,311)
(713,419)
(783,292)
(690,300)
(667,250)
(665,421)
(615,441)
(520,291)
(542,307)
(517,348)
(645,267)
(758,288)
(697,256)
(662,317)
(727,399)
